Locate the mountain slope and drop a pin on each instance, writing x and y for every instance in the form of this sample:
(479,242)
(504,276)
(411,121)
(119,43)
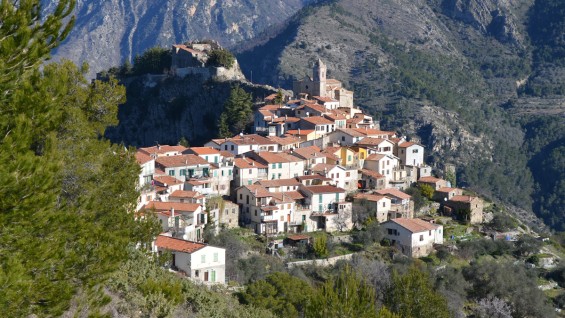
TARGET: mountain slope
(442,71)
(108,32)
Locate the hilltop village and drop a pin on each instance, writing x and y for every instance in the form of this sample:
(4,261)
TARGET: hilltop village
(315,162)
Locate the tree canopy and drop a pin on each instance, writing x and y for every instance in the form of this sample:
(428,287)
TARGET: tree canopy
(66,207)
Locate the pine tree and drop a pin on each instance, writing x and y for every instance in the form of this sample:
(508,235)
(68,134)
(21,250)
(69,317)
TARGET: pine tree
(223,127)
(412,295)
(67,202)
(238,109)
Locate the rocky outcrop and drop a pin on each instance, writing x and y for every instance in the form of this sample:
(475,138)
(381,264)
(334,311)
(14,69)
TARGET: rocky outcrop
(493,17)
(107,33)
(163,109)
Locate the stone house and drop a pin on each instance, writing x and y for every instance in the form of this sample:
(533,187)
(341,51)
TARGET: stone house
(376,204)
(435,183)
(467,207)
(410,154)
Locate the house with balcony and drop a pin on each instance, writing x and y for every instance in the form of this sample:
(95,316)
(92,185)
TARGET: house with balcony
(182,220)
(311,156)
(147,164)
(209,154)
(401,204)
(321,125)
(241,144)
(286,142)
(413,237)
(182,196)
(183,167)
(164,186)
(383,164)
(247,171)
(329,208)
(200,262)
(280,165)
(268,213)
(163,150)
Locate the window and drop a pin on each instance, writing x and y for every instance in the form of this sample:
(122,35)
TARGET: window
(280,165)
(273,176)
(202,258)
(233,211)
(196,273)
(241,196)
(226,211)
(421,238)
(415,151)
(342,138)
(247,199)
(348,174)
(213,275)
(206,158)
(282,218)
(319,198)
(250,171)
(249,182)
(255,212)
(172,173)
(229,172)
(183,172)
(280,175)
(222,173)
(215,257)
(349,158)
(288,206)
(232,147)
(274,166)
(384,204)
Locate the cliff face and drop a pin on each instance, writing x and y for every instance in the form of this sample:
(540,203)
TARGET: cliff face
(162,109)
(109,32)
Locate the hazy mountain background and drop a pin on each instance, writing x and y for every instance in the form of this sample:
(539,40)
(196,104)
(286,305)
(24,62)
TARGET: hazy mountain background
(480,83)
(107,33)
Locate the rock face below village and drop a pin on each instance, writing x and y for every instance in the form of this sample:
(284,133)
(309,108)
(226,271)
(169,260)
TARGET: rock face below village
(163,109)
(107,33)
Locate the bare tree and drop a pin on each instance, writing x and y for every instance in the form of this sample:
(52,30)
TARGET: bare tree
(493,307)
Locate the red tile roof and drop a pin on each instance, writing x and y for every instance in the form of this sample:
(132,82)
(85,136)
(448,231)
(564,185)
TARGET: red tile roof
(322,167)
(185,194)
(351,132)
(247,163)
(325,99)
(142,157)
(168,180)
(394,192)
(324,189)
(167,206)
(162,149)
(303,132)
(308,152)
(271,157)
(285,140)
(375,156)
(406,144)
(430,180)
(374,132)
(279,183)
(371,173)
(462,198)
(446,189)
(177,245)
(202,151)
(258,190)
(371,141)
(252,139)
(298,237)
(313,177)
(317,120)
(180,161)
(369,197)
(414,225)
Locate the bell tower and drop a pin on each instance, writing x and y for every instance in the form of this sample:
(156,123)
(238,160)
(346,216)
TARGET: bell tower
(320,71)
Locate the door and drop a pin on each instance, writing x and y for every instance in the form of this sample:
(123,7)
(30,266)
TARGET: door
(213,276)
(206,276)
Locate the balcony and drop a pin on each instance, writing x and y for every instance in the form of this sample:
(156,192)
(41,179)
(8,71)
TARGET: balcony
(300,207)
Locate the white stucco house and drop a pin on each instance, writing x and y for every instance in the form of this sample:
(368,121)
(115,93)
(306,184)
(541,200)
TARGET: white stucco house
(410,154)
(200,262)
(413,237)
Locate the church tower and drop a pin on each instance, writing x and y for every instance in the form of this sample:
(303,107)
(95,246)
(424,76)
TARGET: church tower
(320,71)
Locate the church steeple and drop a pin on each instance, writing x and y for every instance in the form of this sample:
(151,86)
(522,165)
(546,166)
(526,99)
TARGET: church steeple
(319,78)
